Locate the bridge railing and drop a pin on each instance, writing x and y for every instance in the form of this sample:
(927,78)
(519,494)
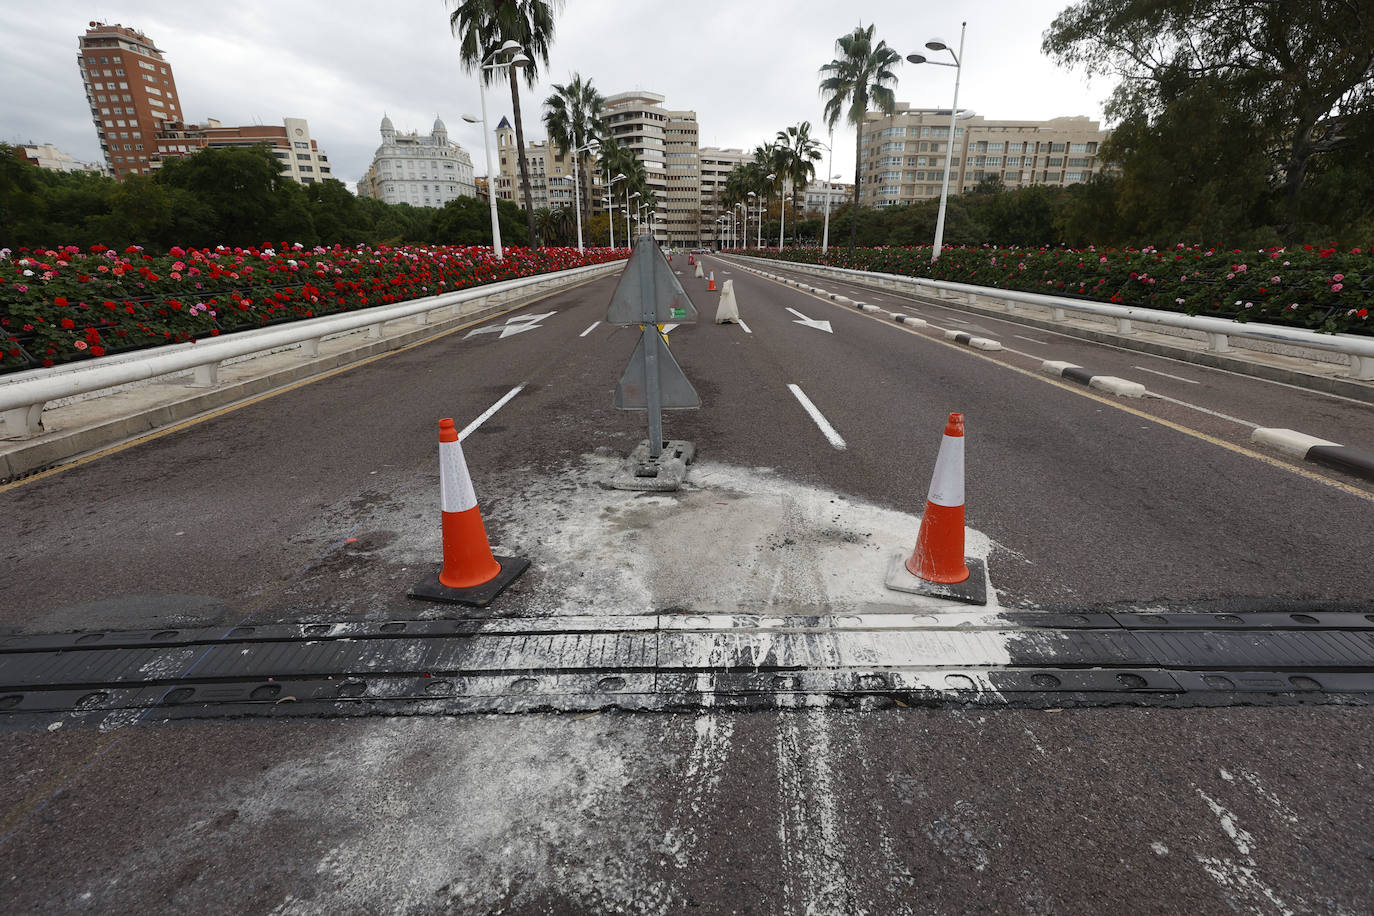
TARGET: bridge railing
(23,394)
(1218,331)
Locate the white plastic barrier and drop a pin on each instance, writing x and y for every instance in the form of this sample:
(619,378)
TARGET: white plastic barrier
(23,394)
(1360,349)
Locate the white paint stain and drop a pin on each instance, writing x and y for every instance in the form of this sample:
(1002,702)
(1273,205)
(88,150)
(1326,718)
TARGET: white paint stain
(1238,876)
(815,866)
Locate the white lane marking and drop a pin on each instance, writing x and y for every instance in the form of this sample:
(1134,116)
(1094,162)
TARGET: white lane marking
(517,325)
(957,321)
(1178,378)
(817,416)
(1206,411)
(472,427)
(1031,339)
(590,329)
(811,322)
(745,326)
(667,328)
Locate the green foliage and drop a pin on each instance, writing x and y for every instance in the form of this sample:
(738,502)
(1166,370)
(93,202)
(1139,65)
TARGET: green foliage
(1245,106)
(1324,289)
(234,196)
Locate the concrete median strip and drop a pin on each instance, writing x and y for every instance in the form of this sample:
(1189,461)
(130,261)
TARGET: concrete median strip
(1108,383)
(978,343)
(1321,451)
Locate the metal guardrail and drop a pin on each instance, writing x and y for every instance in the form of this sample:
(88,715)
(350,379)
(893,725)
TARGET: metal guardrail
(23,394)
(1218,330)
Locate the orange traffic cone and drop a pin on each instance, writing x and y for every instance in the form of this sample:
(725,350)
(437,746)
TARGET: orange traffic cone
(711,286)
(938,566)
(470,574)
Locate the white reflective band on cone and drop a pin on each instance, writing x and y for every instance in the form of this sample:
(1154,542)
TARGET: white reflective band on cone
(947,484)
(455,486)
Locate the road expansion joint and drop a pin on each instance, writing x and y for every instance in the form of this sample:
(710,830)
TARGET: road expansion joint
(668,661)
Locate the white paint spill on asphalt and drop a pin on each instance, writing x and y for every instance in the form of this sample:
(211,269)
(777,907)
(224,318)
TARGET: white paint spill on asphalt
(733,541)
(815,867)
(1238,876)
(481,814)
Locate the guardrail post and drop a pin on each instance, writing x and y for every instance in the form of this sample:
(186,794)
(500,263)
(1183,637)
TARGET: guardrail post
(206,376)
(374,331)
(970,298)
(23,422)
(1362,367)
(1218,343)
(1123,326)
(1058,314)
(310,348)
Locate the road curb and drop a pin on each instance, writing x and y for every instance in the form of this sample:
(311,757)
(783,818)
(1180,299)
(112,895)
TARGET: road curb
(1319,451)
(1109,383)
(978,343)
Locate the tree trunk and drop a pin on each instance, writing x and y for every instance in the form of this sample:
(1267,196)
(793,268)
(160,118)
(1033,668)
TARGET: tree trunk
(858,165)
(520,153)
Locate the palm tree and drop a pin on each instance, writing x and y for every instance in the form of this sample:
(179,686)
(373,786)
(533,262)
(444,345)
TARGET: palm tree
(572,117)
(862,73)
(482,26)
(800,154)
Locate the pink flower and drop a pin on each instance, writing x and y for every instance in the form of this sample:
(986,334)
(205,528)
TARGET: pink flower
(1339,277)
(80,345)
(1337,287)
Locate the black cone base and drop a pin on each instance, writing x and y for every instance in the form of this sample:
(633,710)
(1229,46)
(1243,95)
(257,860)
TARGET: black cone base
(477,596)
(972,590)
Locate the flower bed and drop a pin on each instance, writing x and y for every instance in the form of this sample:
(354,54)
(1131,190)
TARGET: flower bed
(64,304)
(1319,288)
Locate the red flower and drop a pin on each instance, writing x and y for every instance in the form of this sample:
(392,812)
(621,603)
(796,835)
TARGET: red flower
(97,351)
(68,323)
(60,302)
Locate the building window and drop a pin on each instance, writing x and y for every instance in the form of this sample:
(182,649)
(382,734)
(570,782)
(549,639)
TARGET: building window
(1056,161)
(300,145)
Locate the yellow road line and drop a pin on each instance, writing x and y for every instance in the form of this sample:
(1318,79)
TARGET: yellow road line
(1093,396)
(248,402)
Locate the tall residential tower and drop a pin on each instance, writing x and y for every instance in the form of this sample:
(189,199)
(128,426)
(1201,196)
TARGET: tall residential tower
(131,92)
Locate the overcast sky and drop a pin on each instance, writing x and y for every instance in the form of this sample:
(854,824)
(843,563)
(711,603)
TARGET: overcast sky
(748,69)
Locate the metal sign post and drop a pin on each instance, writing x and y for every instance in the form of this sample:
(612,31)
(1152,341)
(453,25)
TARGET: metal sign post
(650,295)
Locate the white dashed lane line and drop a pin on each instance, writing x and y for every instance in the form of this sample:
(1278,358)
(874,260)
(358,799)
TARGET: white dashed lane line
(1177,378)
(745,327)
(821,422)
(1031,339)
(472,427)
(590,329)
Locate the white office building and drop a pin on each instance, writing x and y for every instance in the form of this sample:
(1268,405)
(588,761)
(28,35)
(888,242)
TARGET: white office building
(423,171)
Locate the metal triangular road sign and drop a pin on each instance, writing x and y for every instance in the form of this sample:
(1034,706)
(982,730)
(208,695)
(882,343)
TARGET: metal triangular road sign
(811,322)
(648,292)
(675,392)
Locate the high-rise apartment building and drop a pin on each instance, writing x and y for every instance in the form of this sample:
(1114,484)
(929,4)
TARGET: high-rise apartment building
(903,154)
(681,213)
(47,156)
(423,171)
(639,121)
(716,166)
(131,93)
(301,158)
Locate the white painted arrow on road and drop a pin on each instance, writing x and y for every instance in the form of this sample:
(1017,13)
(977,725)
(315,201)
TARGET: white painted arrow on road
(517,325)
(811,322)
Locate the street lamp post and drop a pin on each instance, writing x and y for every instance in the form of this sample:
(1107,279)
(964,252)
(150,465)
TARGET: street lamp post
(629,197)
(935,44)
(519,59)
(829,169)
(610,202)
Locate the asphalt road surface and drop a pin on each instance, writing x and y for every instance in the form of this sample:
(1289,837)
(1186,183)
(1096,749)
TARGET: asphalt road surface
(320,504)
